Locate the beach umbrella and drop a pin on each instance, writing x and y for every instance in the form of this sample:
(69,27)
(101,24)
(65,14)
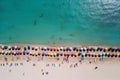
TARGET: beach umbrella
(57,54)
(39,53)
(106,49)
(68,55)
(28,47)
(3,52)
(14,53)
(103,54)
(84,49)
(64,49)
(92,49)
(93,54)
(24,52)
(13,47)
(5,47)
(79,54)
(72,55)
(45,48)
(61,54)
(75,48)
(100,54)
(108,54)
(115,55)
(81,49)
(68,49)
(42,48)
(61,48)
(2,46)
(54,49)
(58,48)
(30,53)
(6,53)
(110,49)
(33,48)
(27,52)
(99,49)
(36,48)
(95,48)
(111,55)
(9,47)
(43,54)
(118,49)
(19,52)
(25,48)
(82,54)
(113,49)
(48,49)
(18,47)
(96,55)
(65,54)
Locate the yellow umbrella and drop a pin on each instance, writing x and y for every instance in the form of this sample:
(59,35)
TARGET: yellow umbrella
(90,53)
(97,54)
(95,48)
(76,54)
(2,46)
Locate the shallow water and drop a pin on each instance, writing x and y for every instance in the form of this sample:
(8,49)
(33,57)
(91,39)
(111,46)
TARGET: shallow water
(95,22)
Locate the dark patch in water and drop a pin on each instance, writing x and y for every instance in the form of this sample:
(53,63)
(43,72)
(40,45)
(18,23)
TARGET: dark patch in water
(35,22)
(10,38)
(60,38)
(71,35)
(41,15)
(52,37)
(62,28)
(12,26)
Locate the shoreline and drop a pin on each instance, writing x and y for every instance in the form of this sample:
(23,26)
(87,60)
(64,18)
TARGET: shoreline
(60,45)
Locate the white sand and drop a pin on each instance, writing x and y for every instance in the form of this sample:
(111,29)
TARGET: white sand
(107,70)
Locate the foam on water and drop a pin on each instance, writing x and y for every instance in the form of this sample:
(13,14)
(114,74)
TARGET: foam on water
(56,21)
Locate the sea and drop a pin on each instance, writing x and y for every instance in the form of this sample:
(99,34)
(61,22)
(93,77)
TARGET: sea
(93,22)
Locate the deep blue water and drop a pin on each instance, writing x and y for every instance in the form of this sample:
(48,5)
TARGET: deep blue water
(60,21)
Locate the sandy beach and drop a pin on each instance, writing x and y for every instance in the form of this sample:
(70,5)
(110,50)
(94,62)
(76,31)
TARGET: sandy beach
(26,67)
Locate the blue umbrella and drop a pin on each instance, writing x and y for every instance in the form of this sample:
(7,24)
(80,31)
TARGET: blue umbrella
(92,49)
(81,54)
(24,52)
(75,48)
(13,47)
(5,47)
(99,49)
(110,49)
(25,48)
(43,54)
(118,49)
(29,47)
(57,54)
(68,49)
(103,54)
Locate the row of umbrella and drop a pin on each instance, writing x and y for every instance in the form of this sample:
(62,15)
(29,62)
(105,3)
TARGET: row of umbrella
(65,49)
(61,54)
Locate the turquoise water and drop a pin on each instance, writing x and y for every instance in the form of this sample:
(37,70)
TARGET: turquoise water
(60,21)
